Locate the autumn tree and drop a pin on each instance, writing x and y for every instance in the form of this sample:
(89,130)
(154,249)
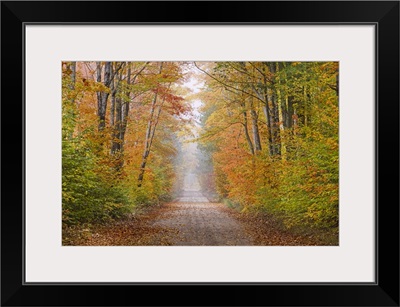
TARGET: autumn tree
(274,130)
(106,106)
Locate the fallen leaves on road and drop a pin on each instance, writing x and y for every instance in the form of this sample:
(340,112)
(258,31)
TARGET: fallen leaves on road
(266,231)
(144,229)
(133,230)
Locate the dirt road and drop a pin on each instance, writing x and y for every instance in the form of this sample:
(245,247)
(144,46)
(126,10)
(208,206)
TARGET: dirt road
(193,220)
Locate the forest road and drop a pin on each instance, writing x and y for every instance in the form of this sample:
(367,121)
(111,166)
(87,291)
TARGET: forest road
(192,220)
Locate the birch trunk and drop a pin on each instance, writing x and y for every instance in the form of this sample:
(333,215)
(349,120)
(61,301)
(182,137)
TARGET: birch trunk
(149,134)
(280,117)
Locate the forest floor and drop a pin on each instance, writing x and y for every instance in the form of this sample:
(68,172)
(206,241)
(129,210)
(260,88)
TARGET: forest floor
(189,221)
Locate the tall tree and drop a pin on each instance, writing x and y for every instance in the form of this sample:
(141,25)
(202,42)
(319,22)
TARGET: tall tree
(103,95)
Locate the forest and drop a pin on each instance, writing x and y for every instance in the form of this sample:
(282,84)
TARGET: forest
(261,138)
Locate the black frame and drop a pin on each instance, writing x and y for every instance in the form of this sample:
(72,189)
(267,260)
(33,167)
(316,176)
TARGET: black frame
(383,14)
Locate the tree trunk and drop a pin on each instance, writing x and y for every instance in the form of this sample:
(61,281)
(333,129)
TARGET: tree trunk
(98,94)
(116,146)
(146,150)
(295,121)
(149,134)
(126,105)
(246,133)
(113,95)
(274,113)
(263,96)
(72,68)
(103,96)
(280,117)
(256,133)
(116,142)
(337,83)
(268,116)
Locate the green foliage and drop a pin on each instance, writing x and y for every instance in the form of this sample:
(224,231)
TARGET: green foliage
(294,176)
(157,188)
(98,182)
(300,184)
(87,195)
